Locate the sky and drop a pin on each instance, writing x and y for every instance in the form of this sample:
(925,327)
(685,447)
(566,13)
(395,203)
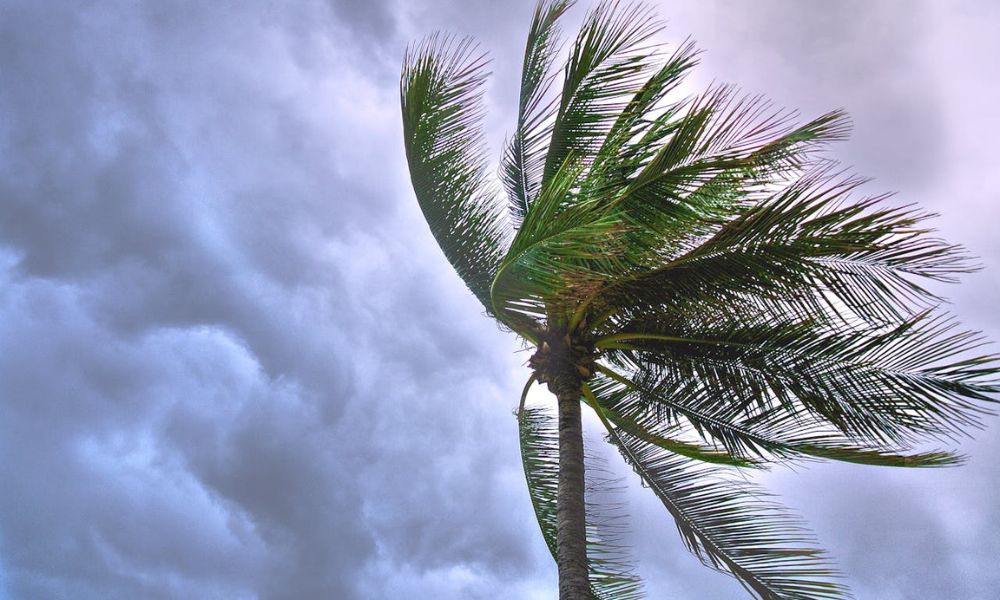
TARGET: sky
(234,363)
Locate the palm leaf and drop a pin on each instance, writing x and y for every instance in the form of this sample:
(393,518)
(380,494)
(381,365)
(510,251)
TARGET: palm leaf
(625,420)
(607,66)
(441,97)
(916,381)
(733,527)
(644,117)
(524,159)
(808,246)
(611,572)
(776,434)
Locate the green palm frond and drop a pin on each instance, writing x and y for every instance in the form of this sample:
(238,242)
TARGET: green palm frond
(644,120)
(612,573)
(441,97)
(733,526)
(546,245)
(899,386)
(701,164)
(608,65)
(809,246)
(631,422)
(776,434)
(724,132)
(524,158)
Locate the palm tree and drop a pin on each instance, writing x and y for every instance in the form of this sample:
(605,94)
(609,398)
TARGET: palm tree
(694,271)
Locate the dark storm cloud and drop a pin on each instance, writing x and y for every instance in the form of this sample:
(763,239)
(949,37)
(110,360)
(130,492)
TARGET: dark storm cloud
(211,386)
(235,365)
(372,23)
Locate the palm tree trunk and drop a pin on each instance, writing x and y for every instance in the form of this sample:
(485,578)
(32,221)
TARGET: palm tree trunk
(571,528)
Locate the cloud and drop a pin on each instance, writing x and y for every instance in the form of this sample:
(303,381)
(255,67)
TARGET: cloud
(211,303)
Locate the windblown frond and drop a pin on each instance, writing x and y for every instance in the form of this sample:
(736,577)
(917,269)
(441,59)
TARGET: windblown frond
(524,158)
(642,123)
(637,425)
(561,247)
(609,62)
(779,433)
(733,526)
(807,246)
(441,97)
(896,386)
(612,574)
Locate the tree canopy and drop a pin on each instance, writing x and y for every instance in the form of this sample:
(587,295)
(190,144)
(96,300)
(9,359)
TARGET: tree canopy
(730,296)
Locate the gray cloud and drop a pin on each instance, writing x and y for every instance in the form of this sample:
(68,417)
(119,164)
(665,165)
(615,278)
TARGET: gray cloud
(199,338)
(235,364)
(863,57)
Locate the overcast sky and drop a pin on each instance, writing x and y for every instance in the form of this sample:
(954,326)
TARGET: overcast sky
(234,364)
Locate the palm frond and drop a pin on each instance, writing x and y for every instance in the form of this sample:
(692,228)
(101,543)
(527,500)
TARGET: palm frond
(441,97)
(733,526)
(900,385)
(560,250)
(775,434)
(722,143)
(611,571)
(524,158)
(723,131)
(608,65)
(627,421)
(644,117)
(809,246)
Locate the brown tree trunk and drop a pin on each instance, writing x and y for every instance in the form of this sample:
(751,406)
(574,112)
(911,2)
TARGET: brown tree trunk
(571,528)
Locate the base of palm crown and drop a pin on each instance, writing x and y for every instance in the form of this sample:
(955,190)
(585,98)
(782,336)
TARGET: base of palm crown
(562,361)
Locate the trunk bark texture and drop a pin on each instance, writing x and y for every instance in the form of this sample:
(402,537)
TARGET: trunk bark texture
(571,528)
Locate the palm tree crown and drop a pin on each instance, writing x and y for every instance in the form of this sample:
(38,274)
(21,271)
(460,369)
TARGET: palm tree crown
(694,271)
